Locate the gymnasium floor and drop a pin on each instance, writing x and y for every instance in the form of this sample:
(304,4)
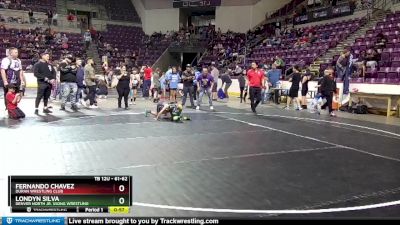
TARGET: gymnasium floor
(227,163)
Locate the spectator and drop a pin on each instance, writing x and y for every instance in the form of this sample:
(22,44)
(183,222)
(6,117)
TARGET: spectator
(173,79)
(372,58)
(70,18)
(148,71)
(279,62)
(215,75)
(49,15)
(381,42)
(294,88)
(242,86)
(342,65)
(188,77)
(87,38)
(55,19)
(238,70)
(30,14)
(90,81)
(273,77)
(205,83)
(328,87)
(226,79)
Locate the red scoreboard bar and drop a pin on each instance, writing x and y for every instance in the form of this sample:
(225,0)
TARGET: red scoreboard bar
(75,194)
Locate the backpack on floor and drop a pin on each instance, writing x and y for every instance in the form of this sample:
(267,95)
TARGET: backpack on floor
(221,94)
(359,109)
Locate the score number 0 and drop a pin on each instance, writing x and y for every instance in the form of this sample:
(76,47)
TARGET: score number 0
(121,200)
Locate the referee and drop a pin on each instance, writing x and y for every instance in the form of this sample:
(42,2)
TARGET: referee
(256,80)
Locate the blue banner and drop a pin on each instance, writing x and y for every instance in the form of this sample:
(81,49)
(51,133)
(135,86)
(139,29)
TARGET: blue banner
(33,220)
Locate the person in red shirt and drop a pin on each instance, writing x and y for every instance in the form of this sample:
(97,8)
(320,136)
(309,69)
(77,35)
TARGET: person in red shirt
(256,79)
(148,71)
(12,103)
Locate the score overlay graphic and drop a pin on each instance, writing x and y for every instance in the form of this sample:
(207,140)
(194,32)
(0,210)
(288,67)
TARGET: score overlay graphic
(75,194)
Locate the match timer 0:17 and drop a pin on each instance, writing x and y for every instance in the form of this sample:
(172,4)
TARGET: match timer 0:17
(52,194)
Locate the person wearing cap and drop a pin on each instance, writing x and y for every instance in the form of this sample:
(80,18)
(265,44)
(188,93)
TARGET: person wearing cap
(215,75)
(46,76)
(188,78)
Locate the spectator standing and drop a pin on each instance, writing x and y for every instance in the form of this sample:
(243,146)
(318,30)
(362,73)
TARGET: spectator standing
(273,76)
(49,15)
(188,77)
(215,75)
(123,87)
(156,85)
(135,80)
(342,67)
(12,73)
(87,38)
(242,86)
(227,81)
(80,80)
(294,88)
(30,14)
(205,82)
(148,71)
(305,78)
(46,76)
(328,88)
(69,86)
(90,80)
(173,79)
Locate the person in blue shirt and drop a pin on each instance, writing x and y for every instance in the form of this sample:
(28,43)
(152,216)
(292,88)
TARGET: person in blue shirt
(273,77)
(173,79)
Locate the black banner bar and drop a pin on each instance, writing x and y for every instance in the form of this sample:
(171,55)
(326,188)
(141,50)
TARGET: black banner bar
(18,209)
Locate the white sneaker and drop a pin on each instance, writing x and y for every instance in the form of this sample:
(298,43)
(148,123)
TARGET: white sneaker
(93,107)
(197,107)
(83,103)
(130,103)
(211,107)
(134,103)
(6,114)
(105,97)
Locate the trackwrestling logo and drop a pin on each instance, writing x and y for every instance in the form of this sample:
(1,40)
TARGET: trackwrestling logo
(9,220)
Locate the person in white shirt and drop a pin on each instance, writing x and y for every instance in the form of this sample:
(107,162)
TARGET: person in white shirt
(135,78)
(215,75)
(12,73)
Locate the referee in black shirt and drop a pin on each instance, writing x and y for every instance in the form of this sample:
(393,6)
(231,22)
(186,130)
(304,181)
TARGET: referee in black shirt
(46,75)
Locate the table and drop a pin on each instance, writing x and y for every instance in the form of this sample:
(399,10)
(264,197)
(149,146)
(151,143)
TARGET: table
(387,97)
